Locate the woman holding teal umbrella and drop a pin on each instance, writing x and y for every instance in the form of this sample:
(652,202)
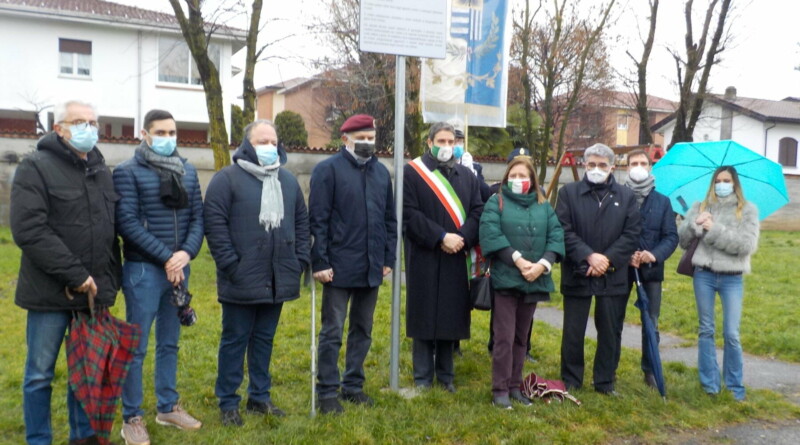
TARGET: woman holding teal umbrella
(726,226)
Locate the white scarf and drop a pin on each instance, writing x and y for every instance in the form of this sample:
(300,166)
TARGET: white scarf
(271,213)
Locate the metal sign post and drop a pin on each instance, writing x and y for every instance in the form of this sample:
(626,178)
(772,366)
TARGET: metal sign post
(415,28)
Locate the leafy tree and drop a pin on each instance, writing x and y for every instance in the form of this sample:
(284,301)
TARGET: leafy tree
(291,129)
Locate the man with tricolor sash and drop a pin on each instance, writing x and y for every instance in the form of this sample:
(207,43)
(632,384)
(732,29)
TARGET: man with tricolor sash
(441,214)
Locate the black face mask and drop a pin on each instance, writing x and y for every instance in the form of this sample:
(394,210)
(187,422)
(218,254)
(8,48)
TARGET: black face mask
(364,150)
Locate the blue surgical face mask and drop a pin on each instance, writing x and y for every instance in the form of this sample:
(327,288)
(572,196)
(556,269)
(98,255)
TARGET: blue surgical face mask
(164,145)
(267,154)
(458,151)
(83,140)
(723,189)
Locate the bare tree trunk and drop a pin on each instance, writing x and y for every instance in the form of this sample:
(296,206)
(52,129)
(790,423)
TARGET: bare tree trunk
(193,29)
(691,102)
(248,86)
(645,134)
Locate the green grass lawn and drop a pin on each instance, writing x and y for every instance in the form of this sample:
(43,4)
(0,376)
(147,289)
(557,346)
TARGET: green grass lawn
(640,416)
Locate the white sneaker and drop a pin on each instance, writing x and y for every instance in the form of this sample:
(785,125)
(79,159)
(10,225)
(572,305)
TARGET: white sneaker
(134,432)
(179,419)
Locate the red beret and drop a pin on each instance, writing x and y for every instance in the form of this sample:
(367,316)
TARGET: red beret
(358,122)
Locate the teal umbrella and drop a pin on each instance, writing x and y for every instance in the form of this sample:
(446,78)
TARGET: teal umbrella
(684,174)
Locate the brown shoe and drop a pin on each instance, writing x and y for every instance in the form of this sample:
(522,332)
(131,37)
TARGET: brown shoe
(134,432)
(179,419)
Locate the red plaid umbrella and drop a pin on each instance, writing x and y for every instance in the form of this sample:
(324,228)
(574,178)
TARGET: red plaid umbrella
(99,353)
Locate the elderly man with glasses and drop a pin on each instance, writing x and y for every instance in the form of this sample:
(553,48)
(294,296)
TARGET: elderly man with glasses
(62,218)
(601,224)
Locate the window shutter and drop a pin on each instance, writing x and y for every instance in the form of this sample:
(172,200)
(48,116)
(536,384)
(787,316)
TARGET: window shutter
(74,46)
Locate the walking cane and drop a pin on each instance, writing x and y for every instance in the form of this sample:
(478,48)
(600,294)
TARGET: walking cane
(313,342)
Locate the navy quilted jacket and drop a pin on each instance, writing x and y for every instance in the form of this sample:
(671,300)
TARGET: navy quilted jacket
(255,266)
(150,230)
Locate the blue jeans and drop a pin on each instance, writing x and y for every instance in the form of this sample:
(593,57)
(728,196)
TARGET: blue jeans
(359,338)
(45,332)
(147,299)
(729,287)
(249,328)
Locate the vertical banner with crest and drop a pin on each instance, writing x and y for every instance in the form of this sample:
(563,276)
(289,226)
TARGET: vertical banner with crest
(471,83)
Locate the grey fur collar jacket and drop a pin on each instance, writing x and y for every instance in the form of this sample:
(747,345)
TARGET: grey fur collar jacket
(727,247)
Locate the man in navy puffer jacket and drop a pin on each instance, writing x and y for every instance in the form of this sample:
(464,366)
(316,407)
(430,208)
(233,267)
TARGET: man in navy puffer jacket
(160,219)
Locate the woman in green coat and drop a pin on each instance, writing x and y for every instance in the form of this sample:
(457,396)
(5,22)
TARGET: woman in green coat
(522,237)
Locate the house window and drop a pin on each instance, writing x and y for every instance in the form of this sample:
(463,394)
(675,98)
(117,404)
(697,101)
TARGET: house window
(75,57)
(787,152)
(175,62)
(622,122)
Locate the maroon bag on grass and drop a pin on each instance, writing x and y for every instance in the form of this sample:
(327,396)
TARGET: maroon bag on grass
(535,387)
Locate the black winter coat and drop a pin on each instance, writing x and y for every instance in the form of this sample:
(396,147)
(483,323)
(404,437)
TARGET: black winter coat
(437,289)
(596,222)
(351,210)
(255,266)
(659,235)
(62,218)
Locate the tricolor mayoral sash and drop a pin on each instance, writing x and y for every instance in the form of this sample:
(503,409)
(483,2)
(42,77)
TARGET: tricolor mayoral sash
(452,204)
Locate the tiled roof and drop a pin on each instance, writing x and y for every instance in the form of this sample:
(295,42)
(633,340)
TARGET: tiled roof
(786,110)
(98,9)
(624,99)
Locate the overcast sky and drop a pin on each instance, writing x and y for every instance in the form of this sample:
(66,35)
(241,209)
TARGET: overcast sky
(759,63)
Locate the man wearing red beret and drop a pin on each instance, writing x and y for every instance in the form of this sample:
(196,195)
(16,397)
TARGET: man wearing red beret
(351,209)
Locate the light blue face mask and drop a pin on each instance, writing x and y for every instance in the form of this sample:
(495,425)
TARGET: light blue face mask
(84,139)
(164,145)
(723,189)
(267,154)
(458,151)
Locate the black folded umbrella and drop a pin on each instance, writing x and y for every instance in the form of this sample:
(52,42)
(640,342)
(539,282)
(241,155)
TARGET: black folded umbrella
(650,343)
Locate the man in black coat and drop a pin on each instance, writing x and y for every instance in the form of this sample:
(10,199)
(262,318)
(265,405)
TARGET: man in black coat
(256,225)
(442,206)
(351,209)
(657,242)
(62,218)
(601,231)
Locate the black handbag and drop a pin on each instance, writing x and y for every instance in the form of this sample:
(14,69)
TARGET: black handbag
(685,266)
(480,292)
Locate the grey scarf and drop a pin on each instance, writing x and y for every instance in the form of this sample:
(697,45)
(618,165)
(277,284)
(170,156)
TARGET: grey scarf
(641,189)
(170,169)
(271,213)
(170,163)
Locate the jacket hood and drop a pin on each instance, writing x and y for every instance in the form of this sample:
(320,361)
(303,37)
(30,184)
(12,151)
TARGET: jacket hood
(247,152)
(53,143)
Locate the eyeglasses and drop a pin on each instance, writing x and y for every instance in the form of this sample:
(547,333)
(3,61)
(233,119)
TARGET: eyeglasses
(602,165)
(82,124)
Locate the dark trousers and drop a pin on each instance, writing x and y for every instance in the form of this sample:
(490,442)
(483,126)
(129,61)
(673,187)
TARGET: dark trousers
(653,289)
(490,345)
(432,356)
(359,338)
(511,327)
(250,328)
(609,316)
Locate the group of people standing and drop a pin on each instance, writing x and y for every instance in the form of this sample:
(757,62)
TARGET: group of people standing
(67,210)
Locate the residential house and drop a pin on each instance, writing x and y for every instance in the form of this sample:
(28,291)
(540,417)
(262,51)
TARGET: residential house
(610,118)
(768,127)
(303,96)
(124,59)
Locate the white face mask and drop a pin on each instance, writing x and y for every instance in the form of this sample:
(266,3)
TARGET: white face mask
(597,175)
(444,153)
(638,173)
